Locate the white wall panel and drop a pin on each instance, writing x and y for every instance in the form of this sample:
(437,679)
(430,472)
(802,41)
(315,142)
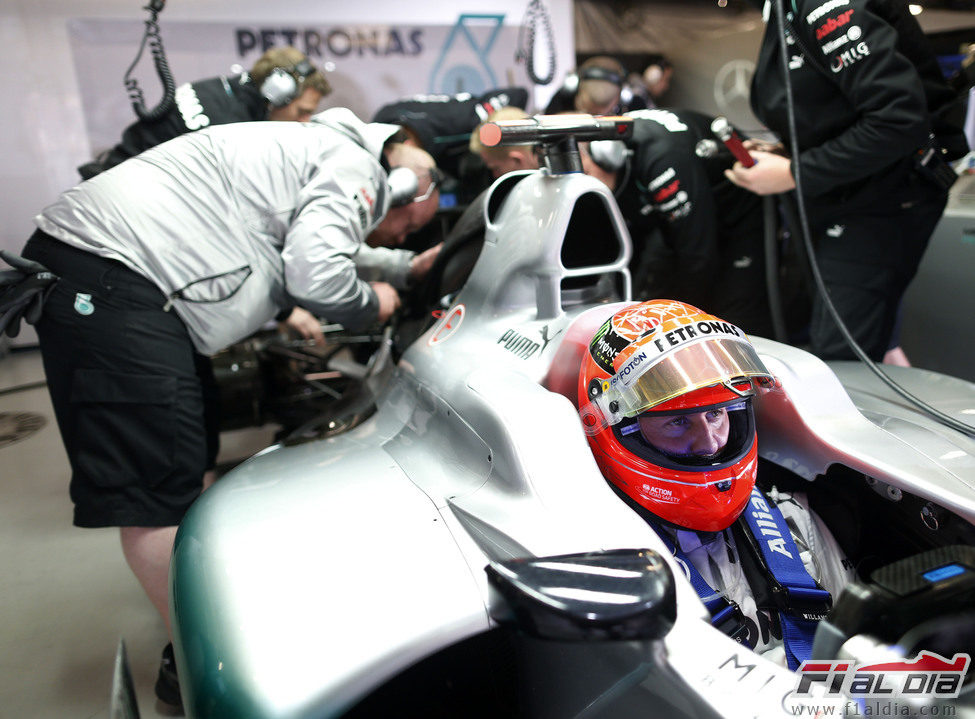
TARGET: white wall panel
(46,132)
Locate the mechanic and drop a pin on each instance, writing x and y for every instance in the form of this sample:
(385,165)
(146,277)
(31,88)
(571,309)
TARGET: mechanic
(868,95)
(698,238)
(282,85)
(503,159)
(645,91)
(594,88)
(184,250)
(442,125)
(665,394)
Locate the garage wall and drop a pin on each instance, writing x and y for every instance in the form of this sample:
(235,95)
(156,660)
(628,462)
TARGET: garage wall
(64,63)
(45,125)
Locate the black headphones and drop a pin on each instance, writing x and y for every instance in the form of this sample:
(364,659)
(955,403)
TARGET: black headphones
(281,86)
(403,184)
(573,79)
(610,155)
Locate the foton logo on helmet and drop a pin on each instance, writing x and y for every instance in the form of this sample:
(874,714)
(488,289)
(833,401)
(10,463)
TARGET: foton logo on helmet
(766,522)
(629,367)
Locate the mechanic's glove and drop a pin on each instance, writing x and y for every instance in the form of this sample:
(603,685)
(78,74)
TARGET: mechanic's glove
(23,291)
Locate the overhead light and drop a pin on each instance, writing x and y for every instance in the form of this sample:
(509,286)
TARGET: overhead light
(915,9)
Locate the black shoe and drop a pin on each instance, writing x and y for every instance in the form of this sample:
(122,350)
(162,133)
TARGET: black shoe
(167,685)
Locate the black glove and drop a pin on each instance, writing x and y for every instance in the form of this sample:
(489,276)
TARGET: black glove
(23,291)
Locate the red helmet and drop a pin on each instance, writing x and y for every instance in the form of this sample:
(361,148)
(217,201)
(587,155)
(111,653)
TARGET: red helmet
(664,357)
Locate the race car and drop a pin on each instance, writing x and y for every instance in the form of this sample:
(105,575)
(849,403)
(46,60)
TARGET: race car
(459,553)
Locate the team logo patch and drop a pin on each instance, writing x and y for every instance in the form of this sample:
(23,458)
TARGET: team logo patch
(634,323)
(605,345)
(83,304)
(849,57)
(447,325)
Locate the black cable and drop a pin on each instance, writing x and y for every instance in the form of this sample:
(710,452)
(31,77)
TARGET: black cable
(153,38)
(807,241)
(772,284)
(535,14)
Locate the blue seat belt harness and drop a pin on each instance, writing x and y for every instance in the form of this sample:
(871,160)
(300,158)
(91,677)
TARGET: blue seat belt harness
(801,602)
(726,615)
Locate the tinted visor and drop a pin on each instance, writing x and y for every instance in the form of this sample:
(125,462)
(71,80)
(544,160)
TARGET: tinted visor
(701,363)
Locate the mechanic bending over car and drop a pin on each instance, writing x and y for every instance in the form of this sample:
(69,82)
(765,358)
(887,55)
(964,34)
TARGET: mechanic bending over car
(698,238)
(283,85)
(442,125)
(184,250)
(665,394)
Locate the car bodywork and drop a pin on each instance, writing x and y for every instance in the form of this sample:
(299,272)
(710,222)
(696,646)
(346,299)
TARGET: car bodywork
(313,576)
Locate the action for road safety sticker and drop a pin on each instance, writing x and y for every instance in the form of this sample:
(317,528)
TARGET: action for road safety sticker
(447,325)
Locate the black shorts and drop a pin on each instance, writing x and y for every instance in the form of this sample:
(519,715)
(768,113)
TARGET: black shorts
(125,384)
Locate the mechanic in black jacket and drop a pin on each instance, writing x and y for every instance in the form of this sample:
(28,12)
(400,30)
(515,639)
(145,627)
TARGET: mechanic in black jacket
(442,125)
(282,85)
(595,88)
(866,89)
(711,254)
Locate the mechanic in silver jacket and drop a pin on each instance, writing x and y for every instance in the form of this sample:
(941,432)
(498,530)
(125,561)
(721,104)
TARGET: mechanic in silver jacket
(186,249)
(234,224)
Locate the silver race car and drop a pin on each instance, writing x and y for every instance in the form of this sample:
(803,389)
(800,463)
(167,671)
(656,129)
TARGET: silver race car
(459,553)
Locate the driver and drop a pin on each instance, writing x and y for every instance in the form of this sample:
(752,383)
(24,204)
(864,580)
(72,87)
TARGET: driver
(665,395)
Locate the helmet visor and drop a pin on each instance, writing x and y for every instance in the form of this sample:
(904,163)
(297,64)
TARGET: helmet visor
(702,362)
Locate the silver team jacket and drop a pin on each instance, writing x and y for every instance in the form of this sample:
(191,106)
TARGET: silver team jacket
(236,222)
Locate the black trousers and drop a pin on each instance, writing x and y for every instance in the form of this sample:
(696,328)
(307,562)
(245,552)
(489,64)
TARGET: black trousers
(125,383)
(867,260)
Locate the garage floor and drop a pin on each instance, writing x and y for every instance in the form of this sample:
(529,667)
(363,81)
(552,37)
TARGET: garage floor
(66,594)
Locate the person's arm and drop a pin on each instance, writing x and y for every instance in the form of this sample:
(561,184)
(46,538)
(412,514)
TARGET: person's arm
(384,264)
(677,186)
(879,82)
(330,224)
(400,268)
